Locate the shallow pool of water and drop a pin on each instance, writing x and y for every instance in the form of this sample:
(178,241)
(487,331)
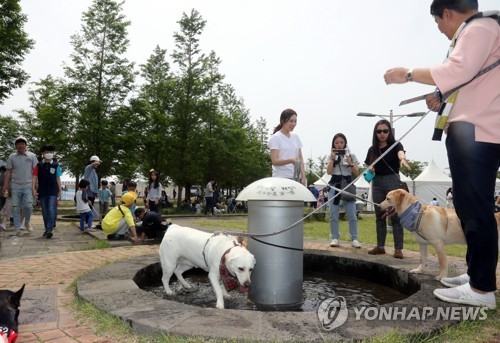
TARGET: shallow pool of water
(316,288)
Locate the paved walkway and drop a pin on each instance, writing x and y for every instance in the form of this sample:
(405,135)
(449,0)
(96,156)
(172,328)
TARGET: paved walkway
(48,267)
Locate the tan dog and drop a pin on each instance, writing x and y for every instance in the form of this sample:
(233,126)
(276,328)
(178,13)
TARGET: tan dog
(438,226)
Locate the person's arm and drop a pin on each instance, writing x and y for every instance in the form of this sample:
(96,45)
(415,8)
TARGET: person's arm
(6,182)
(59,187)
(402,159)
(134,234)
(331,163)
(34,185)
(399,75)
(276,161)
(354,165)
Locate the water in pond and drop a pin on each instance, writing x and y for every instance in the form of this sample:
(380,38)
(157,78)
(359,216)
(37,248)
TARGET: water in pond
(316,288)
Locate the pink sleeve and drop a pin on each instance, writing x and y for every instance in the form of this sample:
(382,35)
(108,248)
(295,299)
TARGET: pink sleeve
(469,56)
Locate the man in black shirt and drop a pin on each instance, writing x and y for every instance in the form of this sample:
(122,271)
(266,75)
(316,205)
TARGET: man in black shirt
(153,225)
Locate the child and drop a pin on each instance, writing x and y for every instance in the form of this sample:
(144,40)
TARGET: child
(119,220)
(131,187)
(83,206)
(104,195)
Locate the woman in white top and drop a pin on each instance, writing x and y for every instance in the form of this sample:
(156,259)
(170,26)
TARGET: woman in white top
(286,149)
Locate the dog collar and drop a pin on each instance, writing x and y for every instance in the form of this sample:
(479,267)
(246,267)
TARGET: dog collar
(10,334)
(409,217)
(229,280)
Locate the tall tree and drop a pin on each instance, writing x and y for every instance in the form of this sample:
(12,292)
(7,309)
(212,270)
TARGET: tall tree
(49,121)
(154,104)
(100,79)
(14,45)
(187,112)
(9,130)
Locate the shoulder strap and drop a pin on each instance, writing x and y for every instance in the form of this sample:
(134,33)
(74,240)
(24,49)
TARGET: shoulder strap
(120,208)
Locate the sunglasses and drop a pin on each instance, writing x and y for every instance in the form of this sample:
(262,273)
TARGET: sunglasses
(385,131)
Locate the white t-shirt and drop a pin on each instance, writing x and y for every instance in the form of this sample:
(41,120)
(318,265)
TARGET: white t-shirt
(288,148)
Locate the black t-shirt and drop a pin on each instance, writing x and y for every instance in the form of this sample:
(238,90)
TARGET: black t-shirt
(152,220)
(391,160)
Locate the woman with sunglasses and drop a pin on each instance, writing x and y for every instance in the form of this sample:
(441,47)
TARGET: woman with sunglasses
(386,179)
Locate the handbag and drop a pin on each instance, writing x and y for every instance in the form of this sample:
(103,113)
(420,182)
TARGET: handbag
(345,196)
(368,175)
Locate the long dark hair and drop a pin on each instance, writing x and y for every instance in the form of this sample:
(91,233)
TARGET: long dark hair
(374,149)
(284,117)
(390,139)
(156,182)
(341,135)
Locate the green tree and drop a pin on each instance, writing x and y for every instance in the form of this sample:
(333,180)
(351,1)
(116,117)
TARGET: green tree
(188,117)
(9,130)
(100,79)
(240,156)
(14,45)
(154,104)
(49,121)
(416,169)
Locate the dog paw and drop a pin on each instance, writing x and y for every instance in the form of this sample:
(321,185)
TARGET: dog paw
(220,305)
(416,270)
(439,277)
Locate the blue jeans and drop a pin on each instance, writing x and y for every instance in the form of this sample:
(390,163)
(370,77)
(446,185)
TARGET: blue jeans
(21,197)
(350,209)
(49,211)
(86,217)
(474,167)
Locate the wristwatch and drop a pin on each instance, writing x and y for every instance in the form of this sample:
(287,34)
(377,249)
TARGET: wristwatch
(409,75)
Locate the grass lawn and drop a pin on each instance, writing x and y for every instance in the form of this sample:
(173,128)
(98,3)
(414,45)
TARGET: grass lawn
(318,229)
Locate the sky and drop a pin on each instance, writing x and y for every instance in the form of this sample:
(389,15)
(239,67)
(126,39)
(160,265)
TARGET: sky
(323,58)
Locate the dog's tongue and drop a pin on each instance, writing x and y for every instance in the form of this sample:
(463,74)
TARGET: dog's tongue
(243,288)
(388,212)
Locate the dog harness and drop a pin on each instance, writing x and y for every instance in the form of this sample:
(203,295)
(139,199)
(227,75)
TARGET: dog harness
(411,218)
(229,280)
(217,233)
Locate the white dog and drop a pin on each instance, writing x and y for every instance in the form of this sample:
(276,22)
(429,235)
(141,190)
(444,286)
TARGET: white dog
(226,261)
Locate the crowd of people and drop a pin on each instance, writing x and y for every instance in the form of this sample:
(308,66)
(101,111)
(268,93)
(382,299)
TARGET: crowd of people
(469,116)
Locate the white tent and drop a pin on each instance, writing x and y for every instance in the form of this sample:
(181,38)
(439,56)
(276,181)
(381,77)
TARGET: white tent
(431,183)
(322,182)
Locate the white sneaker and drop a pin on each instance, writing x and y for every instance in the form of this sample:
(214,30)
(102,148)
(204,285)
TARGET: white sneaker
(28,227)
(334,243)
(465,295)
(355,243)
(2,227)
(455,281)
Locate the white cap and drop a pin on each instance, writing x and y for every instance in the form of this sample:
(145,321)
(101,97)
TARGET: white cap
(95,158)
(21,139)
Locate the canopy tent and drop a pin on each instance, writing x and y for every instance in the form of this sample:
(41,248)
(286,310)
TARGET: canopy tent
(322,182)
(431,183)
